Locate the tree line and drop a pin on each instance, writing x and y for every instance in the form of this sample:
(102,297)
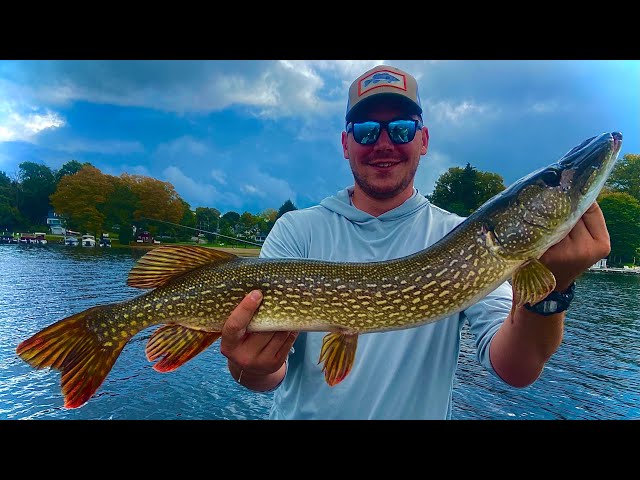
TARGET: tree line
(91,201)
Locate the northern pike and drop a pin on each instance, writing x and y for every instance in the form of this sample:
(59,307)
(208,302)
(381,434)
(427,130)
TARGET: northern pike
(194,289)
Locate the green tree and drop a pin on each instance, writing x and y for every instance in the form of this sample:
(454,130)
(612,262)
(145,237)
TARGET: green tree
(188,220)
(626,176)
(10,217)
(622,213)
(287,206)
(37,183)
(69,168)
(463,190)
(207,218)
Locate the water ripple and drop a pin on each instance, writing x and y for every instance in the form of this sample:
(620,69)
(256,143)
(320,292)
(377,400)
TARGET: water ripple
(594,375)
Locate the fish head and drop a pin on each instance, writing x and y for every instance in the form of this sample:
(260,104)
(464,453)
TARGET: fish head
(541,208)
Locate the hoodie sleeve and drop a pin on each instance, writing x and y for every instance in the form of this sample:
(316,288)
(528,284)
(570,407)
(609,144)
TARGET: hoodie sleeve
(485,317)
(282,241)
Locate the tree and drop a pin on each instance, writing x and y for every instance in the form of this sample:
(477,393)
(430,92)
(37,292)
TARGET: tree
(119,207)
(81,198)
(188,220)
(208,218)
(10,217)
(156,200)
(463,190)
(37,183)
(626,176)
(622,214)
(70,168)
(270,214)
(287,206)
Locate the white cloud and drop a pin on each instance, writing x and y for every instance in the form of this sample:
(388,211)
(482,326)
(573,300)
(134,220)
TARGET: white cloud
(458,113)
(186,186)
(16,124)
(543,107)
(219,176)
(124,168)
(251,190)
(275,189)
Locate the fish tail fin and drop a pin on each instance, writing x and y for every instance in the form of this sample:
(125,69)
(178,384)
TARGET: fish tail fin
(73,348)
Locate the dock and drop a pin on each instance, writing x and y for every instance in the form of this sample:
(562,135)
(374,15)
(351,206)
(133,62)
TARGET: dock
(627,271)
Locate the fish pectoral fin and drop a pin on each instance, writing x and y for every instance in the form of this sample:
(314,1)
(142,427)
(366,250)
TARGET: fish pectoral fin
(177,345)
(338,353)
(532,282)
(164,263)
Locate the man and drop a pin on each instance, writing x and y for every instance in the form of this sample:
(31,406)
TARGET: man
(404,374)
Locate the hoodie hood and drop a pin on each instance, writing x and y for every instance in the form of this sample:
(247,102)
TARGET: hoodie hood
(340,203)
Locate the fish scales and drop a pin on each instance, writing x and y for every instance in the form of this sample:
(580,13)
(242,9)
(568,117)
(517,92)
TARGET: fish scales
(318,296)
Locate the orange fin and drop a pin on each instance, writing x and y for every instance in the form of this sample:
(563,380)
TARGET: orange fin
(177,345)
(71,347)
(164,263)
(532,282)
(338,353)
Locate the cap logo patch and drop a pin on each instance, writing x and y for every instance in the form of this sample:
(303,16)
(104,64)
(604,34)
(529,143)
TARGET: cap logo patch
(382,78)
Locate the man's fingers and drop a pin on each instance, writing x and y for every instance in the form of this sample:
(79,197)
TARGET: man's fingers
(288,343)
(594,222)
(236,325)
(271,349)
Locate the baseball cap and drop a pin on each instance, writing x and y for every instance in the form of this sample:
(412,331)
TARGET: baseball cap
(379,82)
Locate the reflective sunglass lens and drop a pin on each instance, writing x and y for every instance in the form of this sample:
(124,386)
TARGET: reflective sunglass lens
(366,133)
(402,131)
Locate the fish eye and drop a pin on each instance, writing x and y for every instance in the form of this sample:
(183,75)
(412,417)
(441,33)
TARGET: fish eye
(551,177)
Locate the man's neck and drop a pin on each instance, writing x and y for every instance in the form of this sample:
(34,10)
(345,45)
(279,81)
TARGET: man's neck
(375,206)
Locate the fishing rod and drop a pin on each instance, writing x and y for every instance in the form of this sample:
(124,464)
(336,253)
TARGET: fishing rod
(201,230)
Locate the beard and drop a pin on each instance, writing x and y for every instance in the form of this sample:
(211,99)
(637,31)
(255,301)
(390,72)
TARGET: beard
(371,189)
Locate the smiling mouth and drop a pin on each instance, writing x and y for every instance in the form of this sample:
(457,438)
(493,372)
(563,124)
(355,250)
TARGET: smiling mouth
(383,164)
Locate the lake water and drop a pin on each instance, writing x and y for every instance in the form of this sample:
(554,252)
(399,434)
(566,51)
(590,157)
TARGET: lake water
(594,375)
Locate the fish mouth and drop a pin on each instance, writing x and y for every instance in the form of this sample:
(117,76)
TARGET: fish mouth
(593,152)
(587,167)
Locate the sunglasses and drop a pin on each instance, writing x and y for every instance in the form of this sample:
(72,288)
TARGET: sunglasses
(399,131)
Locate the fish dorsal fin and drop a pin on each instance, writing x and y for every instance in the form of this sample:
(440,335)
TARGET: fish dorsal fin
(164,263)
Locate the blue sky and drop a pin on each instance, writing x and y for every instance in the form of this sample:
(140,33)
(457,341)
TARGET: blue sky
(248,135)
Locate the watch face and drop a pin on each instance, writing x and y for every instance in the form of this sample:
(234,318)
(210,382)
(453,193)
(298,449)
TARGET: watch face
(554,303)
(550,306)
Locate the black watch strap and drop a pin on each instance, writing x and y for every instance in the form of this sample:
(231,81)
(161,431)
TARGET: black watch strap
(555,302)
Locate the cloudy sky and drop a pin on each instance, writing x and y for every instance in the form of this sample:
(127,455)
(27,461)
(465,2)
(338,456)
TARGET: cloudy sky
(248,135)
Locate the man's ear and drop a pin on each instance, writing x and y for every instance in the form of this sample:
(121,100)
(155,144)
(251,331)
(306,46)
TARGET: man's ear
(345,150)
(425,140)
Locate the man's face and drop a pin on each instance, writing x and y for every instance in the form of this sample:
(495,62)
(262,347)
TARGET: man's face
(384,169)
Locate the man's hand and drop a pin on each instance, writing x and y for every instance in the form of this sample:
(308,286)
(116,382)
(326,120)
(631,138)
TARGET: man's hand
(259,357)
(585,244)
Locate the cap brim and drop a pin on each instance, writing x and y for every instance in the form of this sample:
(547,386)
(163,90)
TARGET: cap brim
(411,106)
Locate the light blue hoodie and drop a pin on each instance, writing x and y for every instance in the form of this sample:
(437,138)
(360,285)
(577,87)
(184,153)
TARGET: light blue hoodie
(403,374)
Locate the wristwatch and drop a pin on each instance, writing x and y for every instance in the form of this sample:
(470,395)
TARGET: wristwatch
(555,302)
